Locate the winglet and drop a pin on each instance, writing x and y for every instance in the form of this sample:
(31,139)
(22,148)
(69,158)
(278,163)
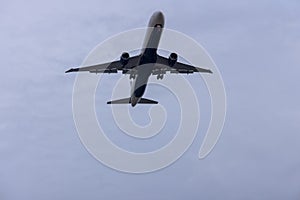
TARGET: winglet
(72,70)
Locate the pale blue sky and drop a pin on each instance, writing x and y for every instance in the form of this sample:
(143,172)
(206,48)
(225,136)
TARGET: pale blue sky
(256,46)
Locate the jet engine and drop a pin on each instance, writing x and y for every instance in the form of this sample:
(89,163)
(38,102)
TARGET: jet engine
(124,58)
(172,59)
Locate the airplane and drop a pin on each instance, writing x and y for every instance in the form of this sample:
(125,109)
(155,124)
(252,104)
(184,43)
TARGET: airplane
(142,66)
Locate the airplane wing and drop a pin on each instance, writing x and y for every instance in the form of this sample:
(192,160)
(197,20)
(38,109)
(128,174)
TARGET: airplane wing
(110,67)
(163,65)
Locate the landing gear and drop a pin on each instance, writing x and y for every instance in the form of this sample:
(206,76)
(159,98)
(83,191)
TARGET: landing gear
(132,76)
(160,76)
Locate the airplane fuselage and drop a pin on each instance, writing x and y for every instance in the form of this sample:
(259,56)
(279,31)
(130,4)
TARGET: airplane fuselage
(148,57)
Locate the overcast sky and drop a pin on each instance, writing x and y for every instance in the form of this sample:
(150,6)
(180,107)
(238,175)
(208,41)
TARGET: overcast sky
(256,46)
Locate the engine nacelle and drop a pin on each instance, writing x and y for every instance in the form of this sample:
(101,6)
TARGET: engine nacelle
(172,59)
(124,58)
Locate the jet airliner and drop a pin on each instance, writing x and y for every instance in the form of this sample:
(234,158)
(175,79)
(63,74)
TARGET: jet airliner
(147,63)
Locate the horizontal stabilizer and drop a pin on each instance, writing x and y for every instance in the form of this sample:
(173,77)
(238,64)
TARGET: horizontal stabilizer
(128,101)
(120,101)
(147,101)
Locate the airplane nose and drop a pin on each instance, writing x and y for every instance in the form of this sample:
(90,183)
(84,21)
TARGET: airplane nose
(157,19)
(160,17)
(159,14)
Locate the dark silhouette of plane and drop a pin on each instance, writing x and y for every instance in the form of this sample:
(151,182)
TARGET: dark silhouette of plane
(140,67)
